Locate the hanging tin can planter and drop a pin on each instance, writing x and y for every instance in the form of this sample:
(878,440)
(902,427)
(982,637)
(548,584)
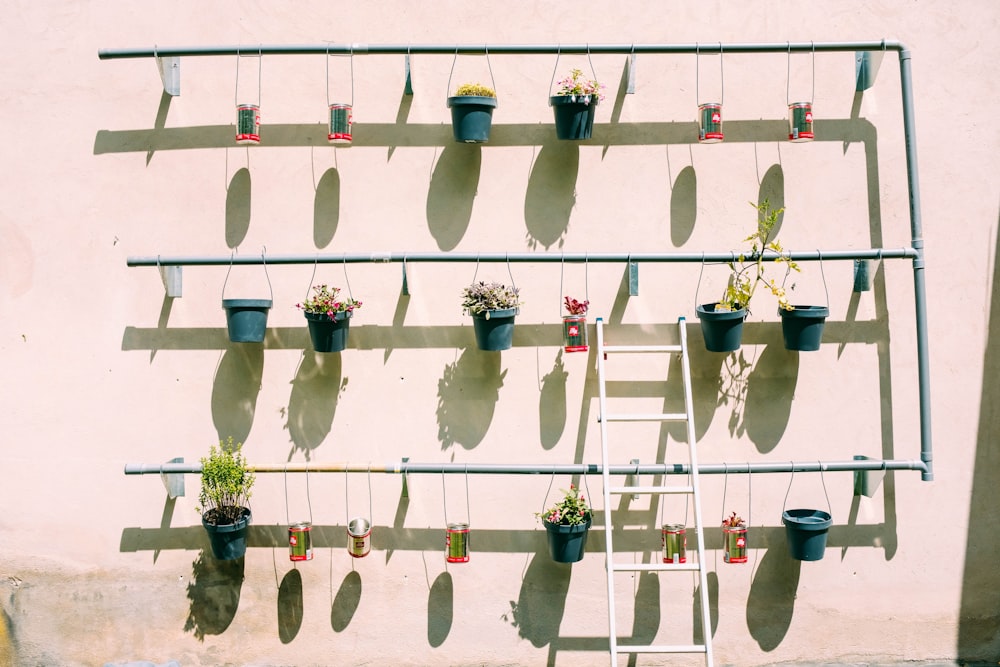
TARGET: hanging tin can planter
(710,123)
(575,333)
(248,124)
(359,537)
(457,543)
(674,542)
(735,544)
(800,122)
(300,541)
(341,123)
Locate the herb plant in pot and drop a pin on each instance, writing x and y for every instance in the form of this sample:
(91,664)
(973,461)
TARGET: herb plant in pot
(493,307)
(575,105)
(566,525)
(329,317)
(722,321)
(472,108)
(575,325)
(226,482)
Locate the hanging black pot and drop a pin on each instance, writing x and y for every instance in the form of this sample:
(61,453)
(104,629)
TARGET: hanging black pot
(494,329)
(574,115)
(802,327)
(472,118)
(246,319)
(329,335)
(567,543)
(229,540)
(722,329)
(806,531)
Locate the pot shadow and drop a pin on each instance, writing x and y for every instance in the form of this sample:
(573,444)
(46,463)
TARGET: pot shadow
(770,389)
(772,189)
(214,592)
(452,192)
(238,207)
(551,194)
(326,207)
(683,206)
(467,396)
(772,597)
(713,608)
(235,389)
(540,605)
(646,619)
(704,391)
(290,606)
(316,389)
(345,603)
(440,609)
(552,404)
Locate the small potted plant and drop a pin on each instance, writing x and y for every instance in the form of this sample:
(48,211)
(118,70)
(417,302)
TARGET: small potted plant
(734,537)
(722,321)
(566,524)
(226,481)
(575,325)
(472,108)
(575,105)
(329,318)
(493,307)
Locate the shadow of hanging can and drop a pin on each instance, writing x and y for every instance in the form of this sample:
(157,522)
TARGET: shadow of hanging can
(457,543)
(359,537)
(247,124)
(341,122)
(800,122)
(674,543)
(300,541)
(710,123)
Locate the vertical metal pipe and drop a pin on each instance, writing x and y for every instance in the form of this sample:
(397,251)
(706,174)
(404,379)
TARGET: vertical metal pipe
(919,289)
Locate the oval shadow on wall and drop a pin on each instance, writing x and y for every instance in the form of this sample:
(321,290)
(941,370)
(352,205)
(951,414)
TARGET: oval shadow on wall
(346,602)
(440,609)
(771,602)
(214,593)
(770,391)
(235,390)
(772,188)
(540,605)
(468,392)
(552,404)
(683,206)
(238,207)
(326,208)
(290,606)
(551,194)
(313,402)
(452,192)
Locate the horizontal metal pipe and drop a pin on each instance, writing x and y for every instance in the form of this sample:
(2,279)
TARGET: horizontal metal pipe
(495,49)
(407,467)
(529,257)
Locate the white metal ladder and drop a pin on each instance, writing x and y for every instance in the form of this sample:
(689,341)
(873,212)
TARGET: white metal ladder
(692,490)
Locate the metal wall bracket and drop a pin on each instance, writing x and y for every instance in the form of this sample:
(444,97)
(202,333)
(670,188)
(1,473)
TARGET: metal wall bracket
(866,482)
(633,278)
(408,86)
(170,74)
(406,283)
(173,280)
(405,493)
(630,479)
(866,65)
(174,481)
(862,275)
(630,86)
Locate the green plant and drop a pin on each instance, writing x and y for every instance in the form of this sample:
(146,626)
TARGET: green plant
(325,301)
(749,268)
(226,481)
(577,84)
(733,521)
(476,90)
(481,297)
(572,510)
(575,307)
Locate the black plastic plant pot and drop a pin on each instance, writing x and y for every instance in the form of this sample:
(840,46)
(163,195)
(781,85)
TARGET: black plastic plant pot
(494,329)
(722,329)
(802,327)
(246,319)
(567,543)
(329,335)
(472,117)
(574,115)
(229,540)
(806,531)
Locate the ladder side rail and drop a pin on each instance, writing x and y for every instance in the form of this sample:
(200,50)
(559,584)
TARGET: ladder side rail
(606,479)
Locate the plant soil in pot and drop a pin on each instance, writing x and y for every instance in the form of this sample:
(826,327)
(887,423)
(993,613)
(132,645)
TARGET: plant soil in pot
(802,327)
(722,329)
(246,319)
(806,531)
(472,113)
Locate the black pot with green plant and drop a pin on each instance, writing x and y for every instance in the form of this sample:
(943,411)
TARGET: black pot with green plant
(226,483)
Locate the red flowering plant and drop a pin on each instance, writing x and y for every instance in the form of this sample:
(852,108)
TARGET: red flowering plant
(572,510)
(733,521)
(325,301)
(575,307)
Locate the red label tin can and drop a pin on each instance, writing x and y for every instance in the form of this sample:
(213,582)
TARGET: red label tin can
(247,124)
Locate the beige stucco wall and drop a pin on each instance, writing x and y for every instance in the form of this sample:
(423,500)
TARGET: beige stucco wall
(100,369)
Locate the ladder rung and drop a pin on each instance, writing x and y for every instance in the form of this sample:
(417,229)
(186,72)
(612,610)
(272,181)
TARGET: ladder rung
(650,489)
(651,417)
(663,648)
(642,348)
(655,567)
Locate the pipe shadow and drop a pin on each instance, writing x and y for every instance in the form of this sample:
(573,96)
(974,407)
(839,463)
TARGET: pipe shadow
(452,192)
(316,390)
(440,609)
(346,602)
(214,592)
(552,404)
(551,194)
(467,396)
(326,208)
(235,389)
(290,606)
